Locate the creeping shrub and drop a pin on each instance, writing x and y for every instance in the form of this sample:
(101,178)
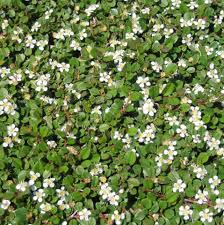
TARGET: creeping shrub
(111,112)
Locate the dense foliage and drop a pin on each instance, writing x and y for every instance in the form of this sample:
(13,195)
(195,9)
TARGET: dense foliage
(111,112)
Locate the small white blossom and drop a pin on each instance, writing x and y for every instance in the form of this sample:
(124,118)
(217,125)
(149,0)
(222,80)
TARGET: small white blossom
(22,186)
(206,216)
(179,186)
(45,207)
(182,130)
(12,130)
(5,204)
(39,195)
(219,204)
(186,212)
(35,26)
(201,196)
(117,217)
(33,177)
(84,214)
(49,182)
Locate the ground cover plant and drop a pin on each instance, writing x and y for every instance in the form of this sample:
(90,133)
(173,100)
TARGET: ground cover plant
(111,112)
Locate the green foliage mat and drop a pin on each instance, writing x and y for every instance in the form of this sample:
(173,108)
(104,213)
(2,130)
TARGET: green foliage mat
(111,112)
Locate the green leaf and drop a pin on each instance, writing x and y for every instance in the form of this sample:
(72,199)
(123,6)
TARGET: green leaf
(104,127)
(44,131)
(133,182)
(170,69)
(140,214)
(173,101)
(20,216)
(147,203)
(132,131)
(85,153)
(172,197)
(203,157)
(168,90)
(154,91)
(130,157)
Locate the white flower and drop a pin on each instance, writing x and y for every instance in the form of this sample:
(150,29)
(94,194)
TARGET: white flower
(200,172)
(97,110)
(7,107)
(62,193)
(192,5)
(182,63)
(113,198)
(167,32)
(220,152)
(41,44)
(105,77)
(30,42)
(182,130)
(213,73)
(186,100)
(156,66)
(15,78)
(97,170)
(12,130)
(45,207)
(75,45)
(172,120)
(84,214)
(4,72)
(171,153)
(8,142)
(175,4)
(130,36)
(33,177)
(200,24)
(209,50)
(63,67)
(186,212)
(36,26)
(219,204)
(5,204)
(117,135)
(145,11)
(42,82)
(136,28)
(82,34)
(143,82)
(213,143)
(157,27)
(196,138)
(52,144)
(117,217)
(214,182)
(179,186)
(47,14)
(62,205)
(91,9)
(5,24)
(206,215)
(49,182)
(127,141)
(105,190)
(148,107)
(198,88)
(39,195)
(22,186)
(201,196)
